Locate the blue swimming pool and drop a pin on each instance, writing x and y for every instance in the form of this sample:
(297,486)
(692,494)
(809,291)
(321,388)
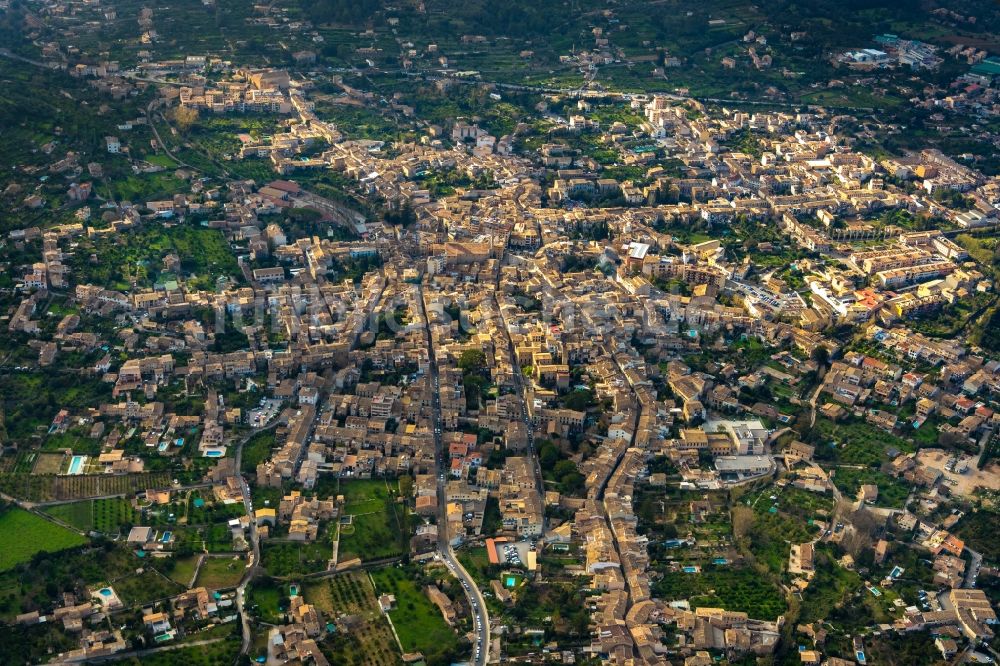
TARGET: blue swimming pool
(166,537)
(690,569)
(213,453)
(105,592)
(76,464)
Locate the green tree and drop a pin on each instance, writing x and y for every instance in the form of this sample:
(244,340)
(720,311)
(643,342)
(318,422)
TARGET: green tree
(472,360)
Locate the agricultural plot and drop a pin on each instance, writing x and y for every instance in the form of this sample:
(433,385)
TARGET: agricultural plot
(855,442)
(210,538)
(979,529)
(48,463)
(292,558)
(77,514)
(418,622)
(365,640)
(142,588)
(832,587)
(378,527)
(107,516)
(24,534)
(184,568)
(771,535)
(891,491)
(29,644)
(138,256)
(219,573)
(37,488)
(732,588)
(25,587)
(220,653)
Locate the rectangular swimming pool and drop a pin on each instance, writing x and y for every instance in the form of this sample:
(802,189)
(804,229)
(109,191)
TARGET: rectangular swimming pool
(76,464)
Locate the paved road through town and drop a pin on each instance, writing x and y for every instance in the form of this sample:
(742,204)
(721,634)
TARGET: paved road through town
(480,616)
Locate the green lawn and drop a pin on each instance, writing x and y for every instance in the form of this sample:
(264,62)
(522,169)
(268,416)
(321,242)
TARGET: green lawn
(161,160)
(418,622)
(25,534)
(477,563)
(267,600)
(374,535)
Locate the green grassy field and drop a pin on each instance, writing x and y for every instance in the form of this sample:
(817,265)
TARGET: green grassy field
(266,598)
(183,570)
(78,514)
(220,653)
(293,558)
(25,534)
(143,588)
(418,622)
(856,442)
(379,525)
(103,515)
(257,450)
(220,572)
